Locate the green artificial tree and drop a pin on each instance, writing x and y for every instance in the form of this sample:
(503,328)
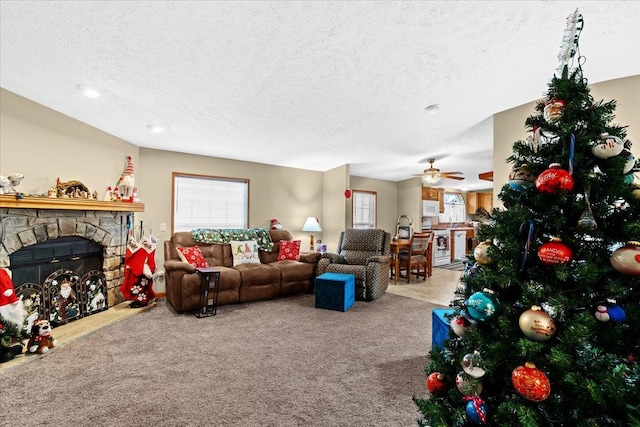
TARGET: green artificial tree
(565,244)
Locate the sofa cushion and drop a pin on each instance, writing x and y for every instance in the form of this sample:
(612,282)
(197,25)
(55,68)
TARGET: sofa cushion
(245,252)
(193,255)
(289,249)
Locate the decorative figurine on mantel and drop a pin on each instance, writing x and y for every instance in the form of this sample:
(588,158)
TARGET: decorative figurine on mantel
(127,182)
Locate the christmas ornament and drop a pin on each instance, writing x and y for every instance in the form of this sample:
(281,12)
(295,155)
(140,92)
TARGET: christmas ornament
(555,252)
(468,386)
(553,110)
(626,259)
(477,410)
(521,177)
(473,365)
(480,253)
(436,383)
(482,306)
(554,179)
(347,193)
(530,382)
(630,163)
(536,325)
(609,311)
(607,146)
(460,325)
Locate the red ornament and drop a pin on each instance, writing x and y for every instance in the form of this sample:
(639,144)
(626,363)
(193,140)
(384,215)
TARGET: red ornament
(626,259)
(530,382)
(555,252)
(554,179)
(436,383)
(347,193)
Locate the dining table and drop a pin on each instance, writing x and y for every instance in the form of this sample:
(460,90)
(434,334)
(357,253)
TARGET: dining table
(396,246)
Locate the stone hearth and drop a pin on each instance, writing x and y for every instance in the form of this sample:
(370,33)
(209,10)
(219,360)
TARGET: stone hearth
(25,222)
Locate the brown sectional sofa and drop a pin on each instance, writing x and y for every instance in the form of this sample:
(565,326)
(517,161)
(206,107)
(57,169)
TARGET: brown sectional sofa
(241,283)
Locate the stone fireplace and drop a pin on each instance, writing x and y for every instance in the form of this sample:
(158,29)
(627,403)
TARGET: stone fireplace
(51,243)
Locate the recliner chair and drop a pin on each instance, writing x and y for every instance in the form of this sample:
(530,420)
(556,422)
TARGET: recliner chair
(364,253)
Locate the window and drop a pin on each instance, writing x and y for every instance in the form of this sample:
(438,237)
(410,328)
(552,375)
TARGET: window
(209,202)
(364,209)
(454,208)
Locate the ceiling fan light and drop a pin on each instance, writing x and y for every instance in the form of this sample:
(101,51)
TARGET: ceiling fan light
(431,178)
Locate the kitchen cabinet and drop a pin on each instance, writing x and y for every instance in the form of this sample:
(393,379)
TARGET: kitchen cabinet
(477,200)
(434,194)
(430,193)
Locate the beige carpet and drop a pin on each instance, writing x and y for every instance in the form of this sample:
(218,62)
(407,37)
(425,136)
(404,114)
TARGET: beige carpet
(270,363)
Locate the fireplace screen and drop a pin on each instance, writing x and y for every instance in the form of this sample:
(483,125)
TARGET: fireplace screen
(60,280)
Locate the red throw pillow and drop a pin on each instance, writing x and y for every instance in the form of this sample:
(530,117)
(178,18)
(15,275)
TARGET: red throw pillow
(194,256)
(289,249)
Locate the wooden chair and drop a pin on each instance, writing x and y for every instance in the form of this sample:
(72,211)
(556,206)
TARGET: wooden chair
(418,259)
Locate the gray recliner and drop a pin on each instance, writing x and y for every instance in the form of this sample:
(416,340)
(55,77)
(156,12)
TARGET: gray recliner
(365,254)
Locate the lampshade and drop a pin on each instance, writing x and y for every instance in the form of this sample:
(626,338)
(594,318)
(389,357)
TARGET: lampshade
(431,178)
(311,224)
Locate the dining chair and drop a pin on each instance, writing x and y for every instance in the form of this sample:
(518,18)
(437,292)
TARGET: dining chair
(417,260)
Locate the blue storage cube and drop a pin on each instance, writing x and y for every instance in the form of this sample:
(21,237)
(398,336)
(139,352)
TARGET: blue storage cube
(439,327)
(335,291)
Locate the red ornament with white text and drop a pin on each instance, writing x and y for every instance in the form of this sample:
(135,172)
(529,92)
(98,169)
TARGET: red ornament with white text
(554,179)
(555,252)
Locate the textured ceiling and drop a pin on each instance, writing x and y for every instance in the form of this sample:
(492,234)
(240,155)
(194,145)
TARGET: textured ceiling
(307,84)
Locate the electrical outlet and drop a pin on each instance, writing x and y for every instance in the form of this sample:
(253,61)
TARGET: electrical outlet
(163,227)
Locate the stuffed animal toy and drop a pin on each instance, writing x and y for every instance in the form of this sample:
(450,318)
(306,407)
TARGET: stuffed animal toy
(5,185)
(15,179)
(41,340)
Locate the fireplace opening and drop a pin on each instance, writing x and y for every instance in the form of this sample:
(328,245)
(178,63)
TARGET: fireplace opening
(60,280)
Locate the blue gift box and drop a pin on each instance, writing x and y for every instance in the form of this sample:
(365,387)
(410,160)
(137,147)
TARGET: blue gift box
(335,291)
(440,327)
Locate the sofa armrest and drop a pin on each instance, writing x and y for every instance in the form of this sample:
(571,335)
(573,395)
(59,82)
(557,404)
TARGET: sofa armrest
(174,264)
(334,258)
(310,257)
(382,259)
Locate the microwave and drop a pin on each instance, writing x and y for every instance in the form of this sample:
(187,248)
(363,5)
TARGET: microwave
(430,208)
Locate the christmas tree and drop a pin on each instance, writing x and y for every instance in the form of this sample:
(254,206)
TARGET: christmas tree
(546,330)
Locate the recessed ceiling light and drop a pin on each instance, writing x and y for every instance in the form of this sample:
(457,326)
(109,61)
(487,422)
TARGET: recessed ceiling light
(433,108)
(155,128)
(88,91)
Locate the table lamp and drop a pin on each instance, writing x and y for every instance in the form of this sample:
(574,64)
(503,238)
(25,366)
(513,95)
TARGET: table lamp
(312,224)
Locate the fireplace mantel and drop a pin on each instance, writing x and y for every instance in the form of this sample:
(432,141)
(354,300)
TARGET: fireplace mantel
(31,202)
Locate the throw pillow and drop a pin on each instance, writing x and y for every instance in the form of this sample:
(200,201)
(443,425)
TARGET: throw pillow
(289,249)
(180,254)
(194,256)
(245,252)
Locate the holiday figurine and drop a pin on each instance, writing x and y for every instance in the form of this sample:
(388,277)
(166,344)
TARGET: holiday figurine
(275,225)
(41,340)
(127,181)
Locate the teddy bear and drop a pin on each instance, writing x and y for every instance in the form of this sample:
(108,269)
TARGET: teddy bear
(41,340)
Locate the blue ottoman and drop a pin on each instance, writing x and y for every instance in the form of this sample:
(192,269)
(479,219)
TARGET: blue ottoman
(335,291)
(439,327)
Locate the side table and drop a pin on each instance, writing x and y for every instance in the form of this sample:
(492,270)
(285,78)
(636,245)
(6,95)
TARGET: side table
(209,288)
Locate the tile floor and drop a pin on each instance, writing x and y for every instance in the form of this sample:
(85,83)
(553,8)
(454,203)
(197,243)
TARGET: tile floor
(437,289)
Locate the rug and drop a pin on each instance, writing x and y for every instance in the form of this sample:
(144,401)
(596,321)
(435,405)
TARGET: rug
(458,266)
(280,362)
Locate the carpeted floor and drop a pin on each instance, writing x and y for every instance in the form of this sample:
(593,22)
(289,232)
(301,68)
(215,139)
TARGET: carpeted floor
(270,363)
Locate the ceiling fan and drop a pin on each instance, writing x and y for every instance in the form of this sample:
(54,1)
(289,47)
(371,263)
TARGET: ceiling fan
(432,175)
